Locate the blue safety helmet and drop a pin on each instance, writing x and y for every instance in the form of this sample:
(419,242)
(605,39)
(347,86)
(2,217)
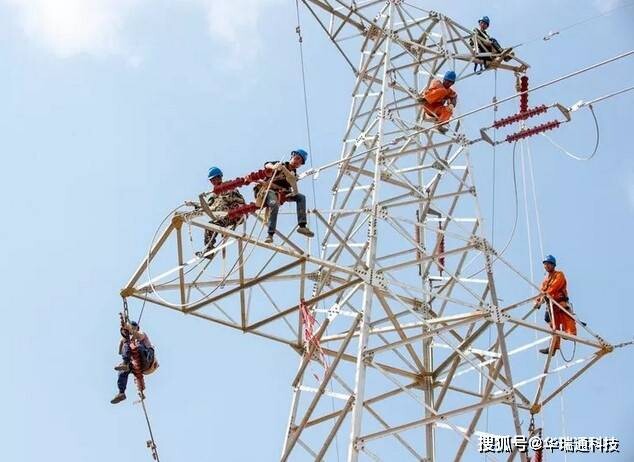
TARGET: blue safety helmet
(213,173)
(134,324)
(450,76)
(301,153)
(550,259)
(486,20)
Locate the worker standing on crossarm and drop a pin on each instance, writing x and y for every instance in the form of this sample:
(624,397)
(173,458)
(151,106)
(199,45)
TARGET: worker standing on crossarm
(278,187)
(439,99)
(554,288)
(222,203)
(133,337)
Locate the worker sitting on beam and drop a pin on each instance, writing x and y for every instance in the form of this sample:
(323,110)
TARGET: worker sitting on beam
(282,187)
(133,339)
(487,48)
(219,205)
(559,314)
(439,99)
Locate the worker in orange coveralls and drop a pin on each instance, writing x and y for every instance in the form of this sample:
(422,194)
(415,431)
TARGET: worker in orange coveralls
(439,99)
(554,286)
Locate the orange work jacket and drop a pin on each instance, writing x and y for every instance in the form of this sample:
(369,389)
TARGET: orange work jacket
(436,94)
(556,285)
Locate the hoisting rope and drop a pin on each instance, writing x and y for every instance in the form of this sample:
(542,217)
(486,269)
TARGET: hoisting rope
(300,41)
(136,365)
(527,153)
(515,220)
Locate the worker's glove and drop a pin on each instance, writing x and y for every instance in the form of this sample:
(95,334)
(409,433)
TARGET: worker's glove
(421,100)
(451,106)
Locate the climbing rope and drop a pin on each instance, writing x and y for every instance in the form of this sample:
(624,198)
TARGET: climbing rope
(300,41)
(136,364)
(151,443)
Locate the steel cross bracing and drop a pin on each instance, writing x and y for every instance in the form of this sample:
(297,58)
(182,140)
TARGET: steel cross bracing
(421,336)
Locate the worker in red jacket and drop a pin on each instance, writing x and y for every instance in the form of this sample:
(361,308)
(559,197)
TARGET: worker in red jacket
(554,288)
(439,99)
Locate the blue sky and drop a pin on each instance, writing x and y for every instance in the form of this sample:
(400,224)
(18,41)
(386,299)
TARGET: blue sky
(111,113)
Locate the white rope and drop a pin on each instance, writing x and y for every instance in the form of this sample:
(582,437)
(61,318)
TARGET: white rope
(526,214)
(538,220)
(541,246)
(575,156)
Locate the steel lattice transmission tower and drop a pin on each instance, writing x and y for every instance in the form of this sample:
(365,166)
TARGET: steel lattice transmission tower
(418,337)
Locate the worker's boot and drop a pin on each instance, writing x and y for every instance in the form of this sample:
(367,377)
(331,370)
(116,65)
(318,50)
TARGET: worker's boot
(305,231)
(123,367)
(443,129)
(269,239)
(117,398)
(546,351)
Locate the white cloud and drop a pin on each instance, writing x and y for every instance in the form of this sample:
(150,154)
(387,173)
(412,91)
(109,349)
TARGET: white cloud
(72,27)
(235,24)
(97,27)
(606,5)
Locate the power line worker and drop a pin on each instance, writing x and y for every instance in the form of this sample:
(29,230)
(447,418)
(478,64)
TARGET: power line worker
(133,337)
(439,99)
(554,288)
(279,187)
(220,203)
(484,44)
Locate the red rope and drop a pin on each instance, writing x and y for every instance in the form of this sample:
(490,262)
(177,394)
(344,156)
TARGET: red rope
(308,330)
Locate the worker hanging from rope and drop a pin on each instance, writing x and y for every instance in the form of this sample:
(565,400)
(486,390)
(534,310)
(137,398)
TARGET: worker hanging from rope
(138,357)
(439,99)
(554,288)
(219,205)
(486,48)
(280,190)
